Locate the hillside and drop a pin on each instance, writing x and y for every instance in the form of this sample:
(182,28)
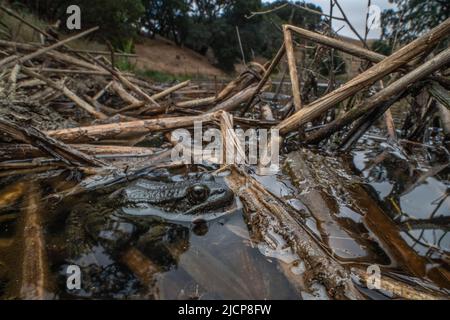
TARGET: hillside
(164,56)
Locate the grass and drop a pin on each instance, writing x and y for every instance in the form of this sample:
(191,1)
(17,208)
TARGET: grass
(159,76)
(15,30)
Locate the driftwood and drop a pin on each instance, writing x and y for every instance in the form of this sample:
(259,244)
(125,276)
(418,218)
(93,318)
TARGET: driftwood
(382,98)
(47,144)
(401,289)
(34,279)
(265,212)
(125,130)
(12,193)
(295,83)
(343,46)
(25,151)
(7,62)
(367,78)
(68,93)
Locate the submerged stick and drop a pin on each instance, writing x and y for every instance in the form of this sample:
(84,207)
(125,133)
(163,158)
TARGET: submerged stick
(265,212)
(34,266)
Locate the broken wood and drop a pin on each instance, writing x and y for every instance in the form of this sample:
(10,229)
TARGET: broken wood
(47,144)
(365,79)
(125,130)
(295,82)
(5,64)
(34,280)
(384,97)
(67,92)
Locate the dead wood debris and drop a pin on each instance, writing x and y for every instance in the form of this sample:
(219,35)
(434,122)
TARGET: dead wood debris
(107,112)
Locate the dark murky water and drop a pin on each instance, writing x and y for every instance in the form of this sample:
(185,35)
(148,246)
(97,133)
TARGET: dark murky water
(221,260)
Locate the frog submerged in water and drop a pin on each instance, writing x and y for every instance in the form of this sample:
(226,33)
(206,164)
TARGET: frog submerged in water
(131,211)
(184,201)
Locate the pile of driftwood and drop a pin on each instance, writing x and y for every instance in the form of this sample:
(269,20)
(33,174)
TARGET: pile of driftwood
(111,111)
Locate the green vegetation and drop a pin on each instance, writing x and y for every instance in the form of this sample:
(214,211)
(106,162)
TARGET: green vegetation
(211,24)
(158,76)
(413,18)
(118,19)
(201,25)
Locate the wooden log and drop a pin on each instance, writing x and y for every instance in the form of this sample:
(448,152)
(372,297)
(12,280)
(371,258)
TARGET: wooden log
(170,90)
(141,266)
(46,49)
(386,96)
(341,45)
(236,100)
(196,102)
(366,79)
(10,152)
(125,130)
(123,94)
(47,144)
(266,212)
(158,96)
(67,92)
(295,83)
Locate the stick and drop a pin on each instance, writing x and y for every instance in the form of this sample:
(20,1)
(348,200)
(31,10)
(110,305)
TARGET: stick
(384,96)
(47,144)
(341,45)
(125,130)
(266,76)
(367,78)
(34,267)
(292,68)
(67,92)
(10,152)
(46,49)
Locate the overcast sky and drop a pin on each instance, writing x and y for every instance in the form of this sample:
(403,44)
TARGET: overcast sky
(356,11)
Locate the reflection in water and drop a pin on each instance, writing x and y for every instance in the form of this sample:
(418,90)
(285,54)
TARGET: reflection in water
(416,195)
(220,259)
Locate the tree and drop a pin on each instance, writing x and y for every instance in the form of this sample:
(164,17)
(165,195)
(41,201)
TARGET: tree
(413,18)
(118,19)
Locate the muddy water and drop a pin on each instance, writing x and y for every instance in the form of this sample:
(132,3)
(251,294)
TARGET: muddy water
(221,259)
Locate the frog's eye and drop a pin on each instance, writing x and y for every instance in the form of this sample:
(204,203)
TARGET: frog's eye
(198,193)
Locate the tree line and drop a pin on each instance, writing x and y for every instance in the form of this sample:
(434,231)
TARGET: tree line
(204,25)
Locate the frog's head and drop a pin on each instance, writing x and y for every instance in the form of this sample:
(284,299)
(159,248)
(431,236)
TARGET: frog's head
(179,201)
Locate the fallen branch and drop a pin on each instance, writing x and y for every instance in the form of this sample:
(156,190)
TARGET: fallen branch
(366,79)
(47,144)
(125,130)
